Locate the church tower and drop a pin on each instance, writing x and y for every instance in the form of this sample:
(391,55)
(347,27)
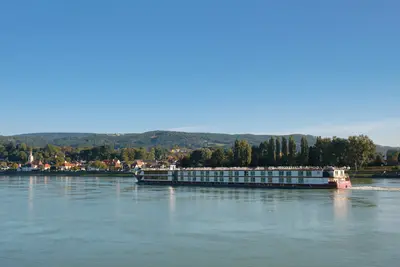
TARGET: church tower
(30,159)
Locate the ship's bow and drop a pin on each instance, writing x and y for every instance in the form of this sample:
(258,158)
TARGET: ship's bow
(344,184)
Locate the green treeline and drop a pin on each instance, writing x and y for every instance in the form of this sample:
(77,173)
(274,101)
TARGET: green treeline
(356,151)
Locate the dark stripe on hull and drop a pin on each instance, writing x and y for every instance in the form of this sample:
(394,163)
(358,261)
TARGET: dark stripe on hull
(241,185)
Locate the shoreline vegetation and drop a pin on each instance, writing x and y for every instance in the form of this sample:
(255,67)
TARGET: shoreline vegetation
(380,172)
(357,152)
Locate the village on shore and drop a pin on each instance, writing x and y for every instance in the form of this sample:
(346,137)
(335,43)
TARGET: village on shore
(114,165)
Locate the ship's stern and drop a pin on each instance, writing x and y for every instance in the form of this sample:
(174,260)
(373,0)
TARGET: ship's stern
(139,175)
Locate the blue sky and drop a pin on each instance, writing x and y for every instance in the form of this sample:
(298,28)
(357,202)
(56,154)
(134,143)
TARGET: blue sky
(316,67)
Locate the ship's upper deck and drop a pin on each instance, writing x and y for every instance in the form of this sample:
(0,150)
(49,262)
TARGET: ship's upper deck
(270,168)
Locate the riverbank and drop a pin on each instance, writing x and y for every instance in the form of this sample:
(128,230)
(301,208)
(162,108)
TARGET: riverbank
(60,173)
(368,172)
(375,172)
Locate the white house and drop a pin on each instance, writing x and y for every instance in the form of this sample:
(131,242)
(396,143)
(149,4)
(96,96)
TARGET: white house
(92,169)
(27,168)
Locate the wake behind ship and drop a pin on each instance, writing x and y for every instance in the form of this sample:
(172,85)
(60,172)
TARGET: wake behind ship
(268,177)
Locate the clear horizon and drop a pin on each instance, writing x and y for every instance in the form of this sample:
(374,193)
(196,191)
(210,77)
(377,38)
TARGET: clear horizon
(259,67)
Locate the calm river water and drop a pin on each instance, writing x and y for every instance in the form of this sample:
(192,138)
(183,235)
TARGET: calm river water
(76,221)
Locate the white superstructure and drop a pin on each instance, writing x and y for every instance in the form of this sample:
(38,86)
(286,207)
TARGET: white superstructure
(271,175)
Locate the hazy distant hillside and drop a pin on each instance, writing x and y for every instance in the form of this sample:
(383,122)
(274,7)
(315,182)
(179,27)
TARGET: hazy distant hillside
(163,138)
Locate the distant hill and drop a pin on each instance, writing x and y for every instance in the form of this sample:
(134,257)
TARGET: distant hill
(147,139)
(166,139)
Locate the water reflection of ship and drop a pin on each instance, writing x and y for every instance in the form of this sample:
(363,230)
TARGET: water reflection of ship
(341,203)
(171,199)
(221,194)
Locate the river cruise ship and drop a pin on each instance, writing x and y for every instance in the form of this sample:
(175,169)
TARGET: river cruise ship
(268,177)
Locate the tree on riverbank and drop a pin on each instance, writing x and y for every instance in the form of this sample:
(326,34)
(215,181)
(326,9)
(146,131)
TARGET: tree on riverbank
(361,150)
(278,151)
(292,151)
(217,157)
(393,157)
(304,151)
(356,151)
(271,150)
(99,165)
(284,160)
(241,153)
